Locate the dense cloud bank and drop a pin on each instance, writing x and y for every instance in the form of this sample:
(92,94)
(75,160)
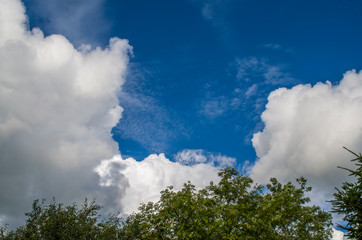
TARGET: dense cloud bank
(305,129)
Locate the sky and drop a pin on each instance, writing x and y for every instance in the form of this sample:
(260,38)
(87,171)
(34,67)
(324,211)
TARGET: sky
(118,99)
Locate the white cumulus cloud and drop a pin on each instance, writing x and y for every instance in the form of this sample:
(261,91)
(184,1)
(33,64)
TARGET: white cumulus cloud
(305,129)
(133,182)
(58,105)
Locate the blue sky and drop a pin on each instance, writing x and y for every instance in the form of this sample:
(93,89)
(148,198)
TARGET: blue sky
(115,100)
(187,56)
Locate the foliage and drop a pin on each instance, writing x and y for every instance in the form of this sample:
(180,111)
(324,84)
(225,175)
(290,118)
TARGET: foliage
(348,201)
(232,209)
(58,222)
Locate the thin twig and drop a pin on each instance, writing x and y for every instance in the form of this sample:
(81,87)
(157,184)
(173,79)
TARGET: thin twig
(358,156)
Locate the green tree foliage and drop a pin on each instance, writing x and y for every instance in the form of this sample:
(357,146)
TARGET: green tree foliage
(232,209)
(54,221)
(348,201)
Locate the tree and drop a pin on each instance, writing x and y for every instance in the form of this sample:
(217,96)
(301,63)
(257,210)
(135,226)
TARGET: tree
(54,221)
(348,200)
(232,209)
(235,208)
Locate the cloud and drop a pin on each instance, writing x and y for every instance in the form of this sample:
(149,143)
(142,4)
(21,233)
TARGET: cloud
(272,46)
(57,108)
(191,156)
(223,161)
(134,182)
(305,129)
(255,77)
(130,182)
(337,235)
(208,8)
(196,156)
(215,107)
(58,105)
(252,90)
(145,120)
(207,11)
(252,67)
(81,21)
(278,47)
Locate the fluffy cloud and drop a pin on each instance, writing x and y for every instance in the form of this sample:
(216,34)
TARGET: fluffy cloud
(197,156)
(191,156)
(57,108)
(305,129)
(133,182)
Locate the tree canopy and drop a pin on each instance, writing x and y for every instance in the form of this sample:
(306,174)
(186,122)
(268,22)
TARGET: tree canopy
(231,209)
(235,208)
(56,221)
(348,200)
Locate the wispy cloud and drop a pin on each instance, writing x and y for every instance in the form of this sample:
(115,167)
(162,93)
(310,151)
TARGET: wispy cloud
(207,11)
(251,91)
(252,68)
(81,21)
(145,120)
(272,46)
(215,107)
(255,78)
(215,12)
(208,8)
(278,47)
